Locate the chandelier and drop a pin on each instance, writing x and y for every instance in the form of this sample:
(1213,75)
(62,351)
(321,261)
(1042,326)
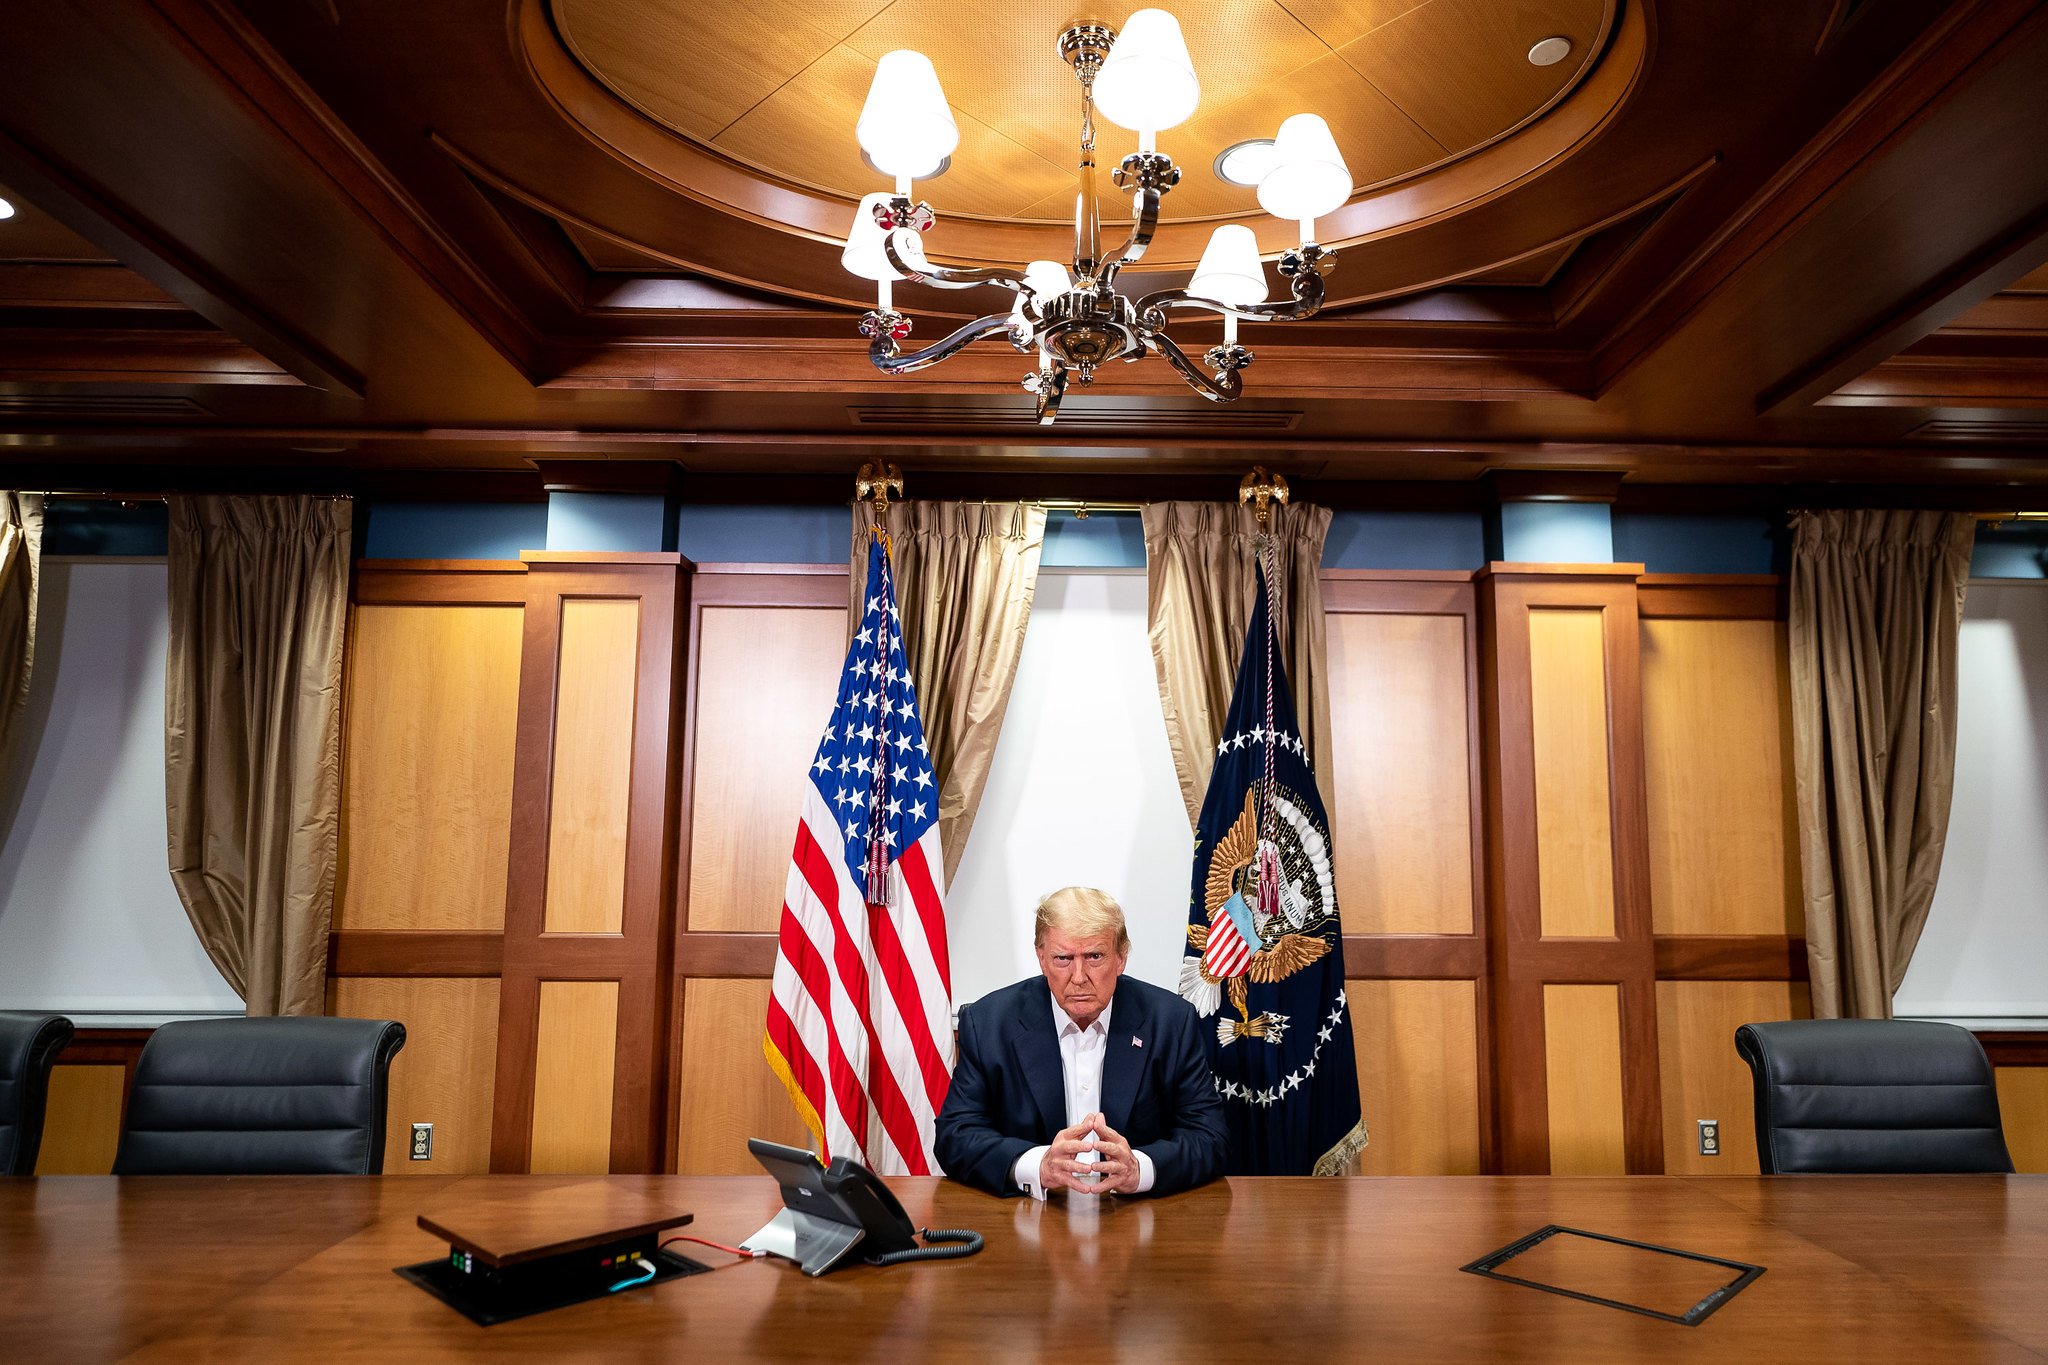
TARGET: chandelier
(1072,317)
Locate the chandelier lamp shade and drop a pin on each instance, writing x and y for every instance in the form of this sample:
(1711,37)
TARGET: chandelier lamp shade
(1148,83)
(1071,316)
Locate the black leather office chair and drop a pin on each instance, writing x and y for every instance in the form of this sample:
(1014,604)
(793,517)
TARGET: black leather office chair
(29,1044)
(299,1096)
(1872,1096)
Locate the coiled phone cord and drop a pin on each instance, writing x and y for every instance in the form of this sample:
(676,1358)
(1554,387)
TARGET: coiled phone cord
(971,1243)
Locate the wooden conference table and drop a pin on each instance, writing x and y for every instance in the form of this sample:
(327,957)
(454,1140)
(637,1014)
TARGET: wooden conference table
(96,1269)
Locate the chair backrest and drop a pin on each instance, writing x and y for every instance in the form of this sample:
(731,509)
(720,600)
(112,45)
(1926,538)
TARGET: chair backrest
(1872,1096)
(273,1096)
(29,1044)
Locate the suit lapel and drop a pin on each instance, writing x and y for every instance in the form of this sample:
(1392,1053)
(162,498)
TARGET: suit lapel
(1124,1066)
(1038,1052)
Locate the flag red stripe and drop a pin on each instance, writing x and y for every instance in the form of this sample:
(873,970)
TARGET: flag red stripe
(917,875)
(853,976)
(1226,953)
(803,955)
(909,1004)
(803,1068)
(810,969)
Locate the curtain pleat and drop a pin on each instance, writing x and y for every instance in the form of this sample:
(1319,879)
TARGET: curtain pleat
(1201,562)
(252,735)
(965,574)
(21,582)
(1876,614)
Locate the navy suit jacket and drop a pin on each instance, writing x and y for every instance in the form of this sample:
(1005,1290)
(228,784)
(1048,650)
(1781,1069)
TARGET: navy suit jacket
(1009,1090)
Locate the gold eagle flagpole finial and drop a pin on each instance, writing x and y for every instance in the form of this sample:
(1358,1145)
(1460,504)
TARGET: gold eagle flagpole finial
(1262,490)
(876,483)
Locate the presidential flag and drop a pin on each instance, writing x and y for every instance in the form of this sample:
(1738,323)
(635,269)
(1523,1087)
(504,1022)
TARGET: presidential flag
(1265,958)
(860,1018)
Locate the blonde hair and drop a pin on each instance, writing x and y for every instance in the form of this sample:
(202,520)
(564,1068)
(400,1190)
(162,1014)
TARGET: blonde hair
(1082,911)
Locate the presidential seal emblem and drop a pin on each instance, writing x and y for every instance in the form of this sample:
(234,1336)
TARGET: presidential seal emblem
(1272,910)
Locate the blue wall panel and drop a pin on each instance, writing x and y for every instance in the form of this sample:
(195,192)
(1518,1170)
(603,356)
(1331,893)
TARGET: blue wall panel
(763,535)
(451,530)
(2017,551)
(598,522)
(88,526)
(1552,533)
(1680,542)
(1405,540)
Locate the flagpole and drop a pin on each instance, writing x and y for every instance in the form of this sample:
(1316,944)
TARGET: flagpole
(1262,490)
(876,482)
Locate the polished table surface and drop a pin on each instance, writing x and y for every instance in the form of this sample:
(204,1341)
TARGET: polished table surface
(283,1268)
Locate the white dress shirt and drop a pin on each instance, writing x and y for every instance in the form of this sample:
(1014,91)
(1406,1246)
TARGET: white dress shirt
(1082,1051)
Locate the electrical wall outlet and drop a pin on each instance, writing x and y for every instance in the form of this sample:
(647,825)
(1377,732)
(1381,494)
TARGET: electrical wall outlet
(1710,1137)
(422,1142)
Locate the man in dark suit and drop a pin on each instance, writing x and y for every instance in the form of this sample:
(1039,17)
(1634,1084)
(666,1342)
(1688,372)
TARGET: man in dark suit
(1082,1079)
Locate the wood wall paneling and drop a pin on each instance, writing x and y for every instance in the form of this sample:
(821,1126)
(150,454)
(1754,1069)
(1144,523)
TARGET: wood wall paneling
(1724,853)
(765,680)
(433,699)
(598,654)
(2023,1109)
(1582,1053)
(572,1078)
(589,898)
(1701,1073)
(1418,1075)
(1400,768)
(728,1094)
(1574,822)
(444,1074)
(82,1125)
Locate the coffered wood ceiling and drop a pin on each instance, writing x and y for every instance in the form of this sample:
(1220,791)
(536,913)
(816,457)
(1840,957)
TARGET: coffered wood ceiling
(381,239)
(778,85)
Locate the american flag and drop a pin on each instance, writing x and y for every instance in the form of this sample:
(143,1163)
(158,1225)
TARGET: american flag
(860,1019)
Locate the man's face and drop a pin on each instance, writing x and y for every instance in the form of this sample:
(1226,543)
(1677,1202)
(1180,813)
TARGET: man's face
(1081,971)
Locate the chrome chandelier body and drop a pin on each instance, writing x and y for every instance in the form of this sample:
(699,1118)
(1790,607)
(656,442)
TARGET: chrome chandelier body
(1077,322)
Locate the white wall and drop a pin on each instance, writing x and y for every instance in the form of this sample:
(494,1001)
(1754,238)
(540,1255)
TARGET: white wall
(1082,791)
(89,922)
(1984,953)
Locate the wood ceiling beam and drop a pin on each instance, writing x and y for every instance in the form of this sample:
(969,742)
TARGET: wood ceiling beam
(1924,194)
(188,150)
(1281,371)
(48,355)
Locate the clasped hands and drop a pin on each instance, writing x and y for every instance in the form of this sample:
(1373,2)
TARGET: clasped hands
(1088,1148)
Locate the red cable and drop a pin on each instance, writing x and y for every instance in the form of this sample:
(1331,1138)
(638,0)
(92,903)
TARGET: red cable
(715,1246)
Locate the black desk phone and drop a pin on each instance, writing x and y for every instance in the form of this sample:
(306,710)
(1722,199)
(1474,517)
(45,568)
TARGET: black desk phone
(829,1211)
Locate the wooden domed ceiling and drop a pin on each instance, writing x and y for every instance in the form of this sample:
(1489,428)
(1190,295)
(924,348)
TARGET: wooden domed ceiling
(477,233)
(1404,84)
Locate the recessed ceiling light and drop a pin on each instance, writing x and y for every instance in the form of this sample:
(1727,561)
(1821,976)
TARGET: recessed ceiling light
(6,209)
(1550,52)
(1245,163)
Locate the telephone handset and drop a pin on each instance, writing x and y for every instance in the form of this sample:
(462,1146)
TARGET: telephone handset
(829,1211)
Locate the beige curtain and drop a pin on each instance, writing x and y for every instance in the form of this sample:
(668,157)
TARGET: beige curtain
(252,735)
(21,581)
(1200,572)
(965,573)
(1877,606)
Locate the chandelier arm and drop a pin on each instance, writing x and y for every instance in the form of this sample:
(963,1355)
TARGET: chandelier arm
(923,271)
(1223,388)
(1303,269)
(1307,300)
(1051,387)
(888,358)
(1144,222)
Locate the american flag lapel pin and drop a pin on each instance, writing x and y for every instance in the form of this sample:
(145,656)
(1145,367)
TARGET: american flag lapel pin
(1136,1041)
